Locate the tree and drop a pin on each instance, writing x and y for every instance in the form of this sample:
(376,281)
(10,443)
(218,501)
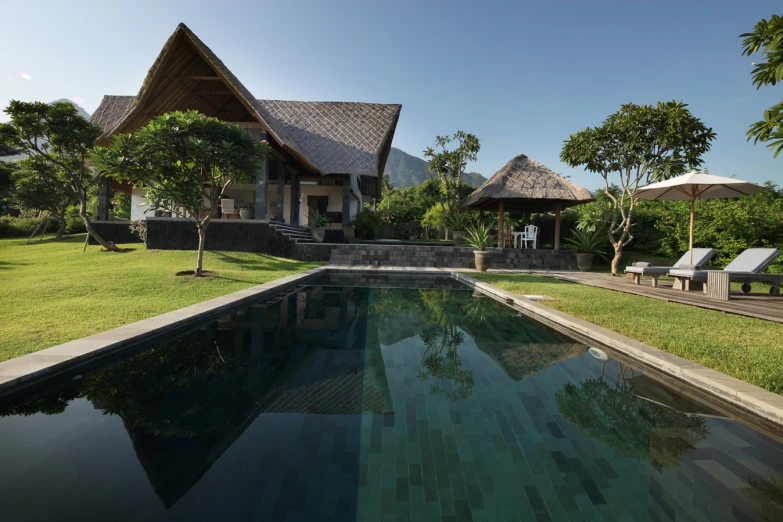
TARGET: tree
(186,161)
(449,165)
(638,145)
(56,135)
(767,37)
(39,186)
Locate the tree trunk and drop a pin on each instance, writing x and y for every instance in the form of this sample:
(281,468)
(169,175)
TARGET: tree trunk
(88,225)
(618,253)
(202,239)
(60,227)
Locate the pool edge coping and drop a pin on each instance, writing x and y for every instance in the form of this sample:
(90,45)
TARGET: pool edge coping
(18,372)
(762,403)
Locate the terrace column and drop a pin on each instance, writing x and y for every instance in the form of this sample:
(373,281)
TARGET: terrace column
(557,226)
(262,188)
(347,201)
(295,194)
(103,199)
(280,192)
(481,217)
(501,242)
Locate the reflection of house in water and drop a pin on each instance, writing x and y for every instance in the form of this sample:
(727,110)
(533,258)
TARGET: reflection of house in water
(302,354)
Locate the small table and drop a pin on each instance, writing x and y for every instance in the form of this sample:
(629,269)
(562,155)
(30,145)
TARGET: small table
(718,285)
(518,236)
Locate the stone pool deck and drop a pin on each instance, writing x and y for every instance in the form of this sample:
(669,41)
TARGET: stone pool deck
(732,396)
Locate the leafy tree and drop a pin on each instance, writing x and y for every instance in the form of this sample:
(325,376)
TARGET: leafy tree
(637,145)
(767,38)
(39,186)
(186,161)
(449,165)
(55,134)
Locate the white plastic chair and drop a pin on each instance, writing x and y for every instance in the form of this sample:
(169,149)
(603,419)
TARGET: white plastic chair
(530,234)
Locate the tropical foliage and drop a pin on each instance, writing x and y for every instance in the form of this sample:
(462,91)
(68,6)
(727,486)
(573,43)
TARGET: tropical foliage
(187,161)
(767,38)
(480,237)
(36,187)
(449,164)
(593,242)
(633,147)
(55,135)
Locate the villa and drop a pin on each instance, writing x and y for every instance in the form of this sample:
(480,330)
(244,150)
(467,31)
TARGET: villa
(328,156)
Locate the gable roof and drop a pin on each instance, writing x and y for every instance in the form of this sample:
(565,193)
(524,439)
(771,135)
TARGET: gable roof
(528,185)
(327,137)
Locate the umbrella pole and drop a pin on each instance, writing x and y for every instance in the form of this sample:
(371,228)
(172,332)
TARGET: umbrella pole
(690,254)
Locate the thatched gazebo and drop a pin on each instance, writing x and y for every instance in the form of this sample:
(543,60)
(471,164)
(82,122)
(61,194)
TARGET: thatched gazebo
(528,186)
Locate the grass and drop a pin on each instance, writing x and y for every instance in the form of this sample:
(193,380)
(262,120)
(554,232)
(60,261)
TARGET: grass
(53,293)
(746,348)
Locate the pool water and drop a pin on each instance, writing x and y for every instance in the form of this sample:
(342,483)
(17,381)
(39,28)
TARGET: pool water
(381,398)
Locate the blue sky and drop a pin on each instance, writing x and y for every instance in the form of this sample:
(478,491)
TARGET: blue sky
(521,76)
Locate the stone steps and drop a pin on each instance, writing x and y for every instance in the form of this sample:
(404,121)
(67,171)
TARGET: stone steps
(294,233)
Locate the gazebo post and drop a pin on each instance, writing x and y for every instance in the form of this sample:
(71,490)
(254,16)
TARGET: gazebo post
(481,217)
(557,225)
(501,242)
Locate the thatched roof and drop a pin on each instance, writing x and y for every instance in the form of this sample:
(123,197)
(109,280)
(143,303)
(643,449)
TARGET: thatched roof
(327,138)
(525,184)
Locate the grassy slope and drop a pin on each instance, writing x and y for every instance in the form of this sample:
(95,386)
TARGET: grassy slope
(53,293)
(749,349)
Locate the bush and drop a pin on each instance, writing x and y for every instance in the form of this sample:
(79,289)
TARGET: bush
(22,227)
(368,225)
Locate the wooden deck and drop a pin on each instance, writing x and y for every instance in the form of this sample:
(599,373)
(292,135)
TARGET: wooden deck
(760,306)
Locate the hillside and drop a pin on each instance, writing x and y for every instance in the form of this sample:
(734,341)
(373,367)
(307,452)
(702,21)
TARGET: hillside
(406,170)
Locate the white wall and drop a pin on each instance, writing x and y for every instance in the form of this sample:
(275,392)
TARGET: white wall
(137,205)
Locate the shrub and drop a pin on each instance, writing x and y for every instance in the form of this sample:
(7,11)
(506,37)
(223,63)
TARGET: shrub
(368,225)
(22,227)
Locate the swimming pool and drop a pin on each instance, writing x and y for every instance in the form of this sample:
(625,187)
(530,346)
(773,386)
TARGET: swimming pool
(383,398)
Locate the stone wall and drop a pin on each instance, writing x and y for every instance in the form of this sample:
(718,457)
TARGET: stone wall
(116,231)
(234,235)
(448,257)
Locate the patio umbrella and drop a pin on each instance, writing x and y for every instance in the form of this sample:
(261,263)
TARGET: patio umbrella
(695,185)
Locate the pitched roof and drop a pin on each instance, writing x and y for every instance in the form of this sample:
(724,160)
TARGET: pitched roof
(526,184)
(328,137)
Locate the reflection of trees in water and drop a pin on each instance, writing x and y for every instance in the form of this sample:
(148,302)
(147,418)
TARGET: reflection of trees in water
(768,494)
(182,388)
(630,426)
(442,362)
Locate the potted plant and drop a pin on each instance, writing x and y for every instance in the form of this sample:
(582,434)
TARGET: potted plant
(456,221)
(480,237)
(586,245)
(317,224)
(245,209)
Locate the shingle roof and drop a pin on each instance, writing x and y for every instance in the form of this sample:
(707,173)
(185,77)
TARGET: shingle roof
(332,137)
(528,185)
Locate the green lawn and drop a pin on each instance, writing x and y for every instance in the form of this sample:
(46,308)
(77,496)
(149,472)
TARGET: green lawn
(53,293)
(749,349)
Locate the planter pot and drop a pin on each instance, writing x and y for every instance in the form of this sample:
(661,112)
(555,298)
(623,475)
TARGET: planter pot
(245,213)
(482,260)
(318,234)
(584,261)
(459,237)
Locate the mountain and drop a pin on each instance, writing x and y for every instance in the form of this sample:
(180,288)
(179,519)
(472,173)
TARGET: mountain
(406,170)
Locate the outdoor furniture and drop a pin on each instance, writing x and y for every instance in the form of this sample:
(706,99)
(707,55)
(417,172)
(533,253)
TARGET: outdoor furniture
(746,268)
(700,258)
(228,208)
(530,233)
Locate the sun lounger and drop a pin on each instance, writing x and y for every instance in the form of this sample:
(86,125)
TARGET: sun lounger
(700,258)
(746,268)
